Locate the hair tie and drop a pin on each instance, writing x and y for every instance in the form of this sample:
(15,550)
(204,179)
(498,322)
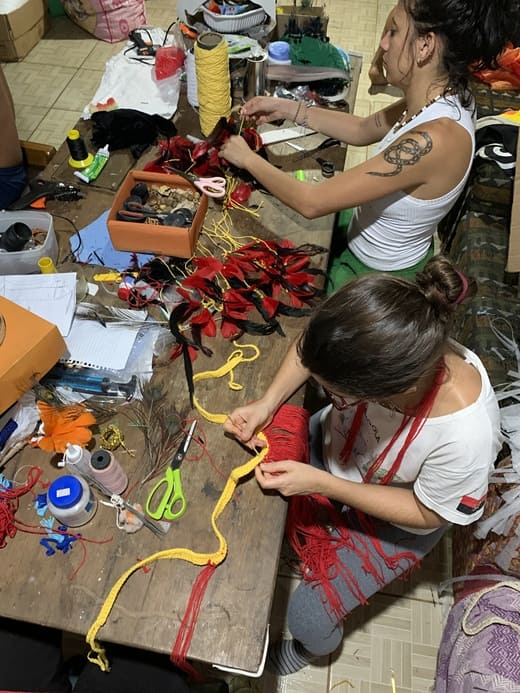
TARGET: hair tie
(463,291)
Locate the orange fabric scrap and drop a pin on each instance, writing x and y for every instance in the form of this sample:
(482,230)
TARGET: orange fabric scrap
(507,75)
(62,425)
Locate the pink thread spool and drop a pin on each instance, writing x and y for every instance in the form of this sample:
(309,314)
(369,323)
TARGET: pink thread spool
(107,470)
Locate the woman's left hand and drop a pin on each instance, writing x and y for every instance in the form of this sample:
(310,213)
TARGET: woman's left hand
(288,477)
(236,150)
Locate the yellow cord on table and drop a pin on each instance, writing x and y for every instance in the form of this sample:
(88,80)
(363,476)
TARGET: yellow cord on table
(97,652)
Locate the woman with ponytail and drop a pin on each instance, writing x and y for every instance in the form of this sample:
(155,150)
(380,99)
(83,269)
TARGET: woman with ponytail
(403,450)
(425,141)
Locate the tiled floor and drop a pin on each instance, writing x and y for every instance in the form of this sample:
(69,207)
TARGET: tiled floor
(400,630)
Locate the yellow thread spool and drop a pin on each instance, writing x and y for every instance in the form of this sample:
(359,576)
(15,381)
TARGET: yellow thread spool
(213,80)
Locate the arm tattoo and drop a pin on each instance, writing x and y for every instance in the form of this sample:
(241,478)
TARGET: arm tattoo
(406,152)
(378,120)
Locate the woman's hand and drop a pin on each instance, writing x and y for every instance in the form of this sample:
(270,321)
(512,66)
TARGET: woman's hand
(265,109)
(290,478)
(236,150)
(245,422)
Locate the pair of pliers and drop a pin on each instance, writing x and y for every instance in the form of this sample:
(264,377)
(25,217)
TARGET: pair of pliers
(172,503)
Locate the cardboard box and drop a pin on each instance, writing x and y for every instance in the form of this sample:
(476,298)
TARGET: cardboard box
(21,29)
(513,256)
(304,17)
(30,348)
(174,241)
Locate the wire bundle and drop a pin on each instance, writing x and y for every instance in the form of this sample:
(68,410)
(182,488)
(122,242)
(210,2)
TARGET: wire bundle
(213,80)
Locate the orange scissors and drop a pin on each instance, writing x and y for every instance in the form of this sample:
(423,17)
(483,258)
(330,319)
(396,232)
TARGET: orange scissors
(172,504)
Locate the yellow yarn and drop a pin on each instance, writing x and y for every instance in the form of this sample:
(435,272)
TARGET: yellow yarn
(234,359)
(213,84)
(97,652)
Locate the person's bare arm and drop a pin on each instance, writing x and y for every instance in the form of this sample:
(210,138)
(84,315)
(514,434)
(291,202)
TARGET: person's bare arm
(10,150)
(352,129)
(388,503)
(414,163)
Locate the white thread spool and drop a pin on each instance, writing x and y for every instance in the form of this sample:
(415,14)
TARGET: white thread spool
(70,500)
(106,469)
(191,79)
(76,459)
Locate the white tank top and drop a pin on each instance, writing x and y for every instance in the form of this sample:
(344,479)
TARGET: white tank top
(395,231)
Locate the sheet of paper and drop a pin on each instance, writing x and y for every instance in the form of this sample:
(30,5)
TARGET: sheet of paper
(51,296)
(91,345)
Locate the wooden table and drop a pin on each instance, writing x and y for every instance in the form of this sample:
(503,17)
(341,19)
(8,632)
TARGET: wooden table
(235,612)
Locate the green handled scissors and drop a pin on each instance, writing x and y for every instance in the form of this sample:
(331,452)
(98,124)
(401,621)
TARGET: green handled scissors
(173,503)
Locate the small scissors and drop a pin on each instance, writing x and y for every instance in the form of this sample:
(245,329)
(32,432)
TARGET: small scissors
(173,494)
(212,187)
(137,212)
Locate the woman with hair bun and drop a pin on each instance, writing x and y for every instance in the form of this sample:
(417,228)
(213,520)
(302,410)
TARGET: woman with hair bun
(403,450)
(426,140)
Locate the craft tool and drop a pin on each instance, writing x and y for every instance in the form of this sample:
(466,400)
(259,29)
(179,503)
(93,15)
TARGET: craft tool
(41,190)
(212,187)
(172,504)
(119,502)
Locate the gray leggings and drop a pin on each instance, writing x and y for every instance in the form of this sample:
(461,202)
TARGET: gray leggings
(308,619)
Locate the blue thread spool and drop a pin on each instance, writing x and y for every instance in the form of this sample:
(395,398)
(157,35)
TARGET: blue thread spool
(70,500)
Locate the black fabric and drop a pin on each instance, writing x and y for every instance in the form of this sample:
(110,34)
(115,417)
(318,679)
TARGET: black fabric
(498,143)
(131,671)
(30,658)
(126,127)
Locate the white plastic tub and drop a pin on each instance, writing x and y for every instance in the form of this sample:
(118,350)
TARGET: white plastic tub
(233,23)
(26,261)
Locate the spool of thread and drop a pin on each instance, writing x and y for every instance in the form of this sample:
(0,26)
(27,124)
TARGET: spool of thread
(327,167)
(70,500)
(46,265)
(79,156)
(15,237)
(213,80)
(106,469)
(191,79)
(76,459)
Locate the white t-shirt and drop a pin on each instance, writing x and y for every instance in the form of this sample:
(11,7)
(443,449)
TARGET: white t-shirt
(448,463)
(395,232)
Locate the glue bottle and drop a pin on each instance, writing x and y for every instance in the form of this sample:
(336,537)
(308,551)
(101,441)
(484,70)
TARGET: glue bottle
(76,459)
(98,163)
(106,469)
(70,500)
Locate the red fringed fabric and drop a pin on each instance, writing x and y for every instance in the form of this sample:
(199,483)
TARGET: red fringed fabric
(288,435)
(312,519)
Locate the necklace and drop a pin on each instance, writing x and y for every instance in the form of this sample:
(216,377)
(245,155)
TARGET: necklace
(403,120)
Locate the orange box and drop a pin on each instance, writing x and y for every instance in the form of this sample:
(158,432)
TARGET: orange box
(151,238)
(30,348)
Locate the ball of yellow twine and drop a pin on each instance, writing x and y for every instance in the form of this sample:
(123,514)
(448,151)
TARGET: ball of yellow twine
(213,80)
